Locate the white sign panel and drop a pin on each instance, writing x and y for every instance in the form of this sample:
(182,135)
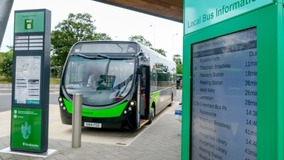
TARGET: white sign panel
(224,97)
(27,81)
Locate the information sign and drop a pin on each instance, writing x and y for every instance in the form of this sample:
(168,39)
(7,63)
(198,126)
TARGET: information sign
(30,87)
(202,13)
(29,22)
(27,88)
(224,97)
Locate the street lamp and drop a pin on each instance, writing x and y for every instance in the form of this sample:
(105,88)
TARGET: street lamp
(153,34)
(173,38)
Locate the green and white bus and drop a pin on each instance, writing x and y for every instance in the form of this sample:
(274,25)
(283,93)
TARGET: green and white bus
(133,84)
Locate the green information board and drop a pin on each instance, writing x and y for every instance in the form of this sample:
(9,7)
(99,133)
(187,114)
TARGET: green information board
(233,85)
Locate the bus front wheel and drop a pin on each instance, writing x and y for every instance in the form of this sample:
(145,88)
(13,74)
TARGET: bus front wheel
(152,115)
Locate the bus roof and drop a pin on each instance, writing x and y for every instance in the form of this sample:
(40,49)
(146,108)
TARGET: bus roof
(128,47)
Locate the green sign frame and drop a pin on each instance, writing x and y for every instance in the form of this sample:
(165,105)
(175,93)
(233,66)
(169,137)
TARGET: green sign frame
(270,76)
(29,22)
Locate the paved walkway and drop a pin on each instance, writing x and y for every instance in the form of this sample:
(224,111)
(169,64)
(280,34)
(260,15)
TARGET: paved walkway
(159,141)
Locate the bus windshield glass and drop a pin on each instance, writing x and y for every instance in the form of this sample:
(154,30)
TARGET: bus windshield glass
(101,81)
(115,47)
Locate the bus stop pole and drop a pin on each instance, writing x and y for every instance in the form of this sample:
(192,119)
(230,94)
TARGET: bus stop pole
(76,120)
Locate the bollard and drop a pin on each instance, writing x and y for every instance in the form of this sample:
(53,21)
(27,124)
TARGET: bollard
(76,120)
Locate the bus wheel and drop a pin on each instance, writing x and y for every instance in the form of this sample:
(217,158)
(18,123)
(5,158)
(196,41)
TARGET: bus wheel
(172,99)
(152,115)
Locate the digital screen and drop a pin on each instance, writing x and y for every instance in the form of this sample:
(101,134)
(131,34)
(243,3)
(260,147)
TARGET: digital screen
(106,81)
(224,97)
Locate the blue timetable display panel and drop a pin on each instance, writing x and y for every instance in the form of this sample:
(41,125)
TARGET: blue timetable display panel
(224,97)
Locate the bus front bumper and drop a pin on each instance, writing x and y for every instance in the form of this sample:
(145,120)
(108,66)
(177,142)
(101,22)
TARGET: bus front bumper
(108,123)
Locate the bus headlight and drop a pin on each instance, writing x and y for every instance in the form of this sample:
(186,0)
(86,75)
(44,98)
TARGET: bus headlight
(60,99)
(132,103)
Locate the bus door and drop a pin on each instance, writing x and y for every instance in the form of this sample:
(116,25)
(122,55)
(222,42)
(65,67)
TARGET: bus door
(145,92)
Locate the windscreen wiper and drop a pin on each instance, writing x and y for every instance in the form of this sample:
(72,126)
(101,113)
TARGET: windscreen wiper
(113,57)
(99,55)
(84,56)
(103,55)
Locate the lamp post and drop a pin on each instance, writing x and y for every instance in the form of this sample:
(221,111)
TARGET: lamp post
(152,26)
(173,38)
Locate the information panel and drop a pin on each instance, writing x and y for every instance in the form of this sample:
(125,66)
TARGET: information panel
(27,127)
(27,88)
(224,97)
(30,81)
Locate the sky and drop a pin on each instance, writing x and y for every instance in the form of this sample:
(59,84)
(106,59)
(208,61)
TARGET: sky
(117,22)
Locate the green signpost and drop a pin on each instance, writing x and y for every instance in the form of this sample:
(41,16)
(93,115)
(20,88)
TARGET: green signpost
(30,89)
(233,80)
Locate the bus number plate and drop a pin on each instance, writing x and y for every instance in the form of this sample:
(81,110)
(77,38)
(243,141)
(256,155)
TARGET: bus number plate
(93,125)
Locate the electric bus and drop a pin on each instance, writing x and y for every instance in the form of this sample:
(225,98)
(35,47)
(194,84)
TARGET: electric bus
(133,84)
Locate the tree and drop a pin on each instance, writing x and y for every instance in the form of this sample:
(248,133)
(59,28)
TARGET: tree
(177,59)
(78,27)
(141,40)
(161,51)
(7,64)
(102,36)
(179,68)
(1,61)
(147,43)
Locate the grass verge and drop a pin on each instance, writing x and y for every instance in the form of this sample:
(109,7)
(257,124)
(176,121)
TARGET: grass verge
(4,80)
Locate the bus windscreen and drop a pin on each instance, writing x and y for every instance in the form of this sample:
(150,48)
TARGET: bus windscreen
(81,71)
(118,47)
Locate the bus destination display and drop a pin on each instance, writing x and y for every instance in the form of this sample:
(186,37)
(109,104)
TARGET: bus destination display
(224,97)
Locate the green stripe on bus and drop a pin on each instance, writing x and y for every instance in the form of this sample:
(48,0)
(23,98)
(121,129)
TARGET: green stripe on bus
(155,97)
(100,113)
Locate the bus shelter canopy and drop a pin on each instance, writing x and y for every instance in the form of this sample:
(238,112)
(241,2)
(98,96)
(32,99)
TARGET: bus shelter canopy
(168,9)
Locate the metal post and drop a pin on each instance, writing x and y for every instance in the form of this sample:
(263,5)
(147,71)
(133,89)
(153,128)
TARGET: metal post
(5,9)
(76,120)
